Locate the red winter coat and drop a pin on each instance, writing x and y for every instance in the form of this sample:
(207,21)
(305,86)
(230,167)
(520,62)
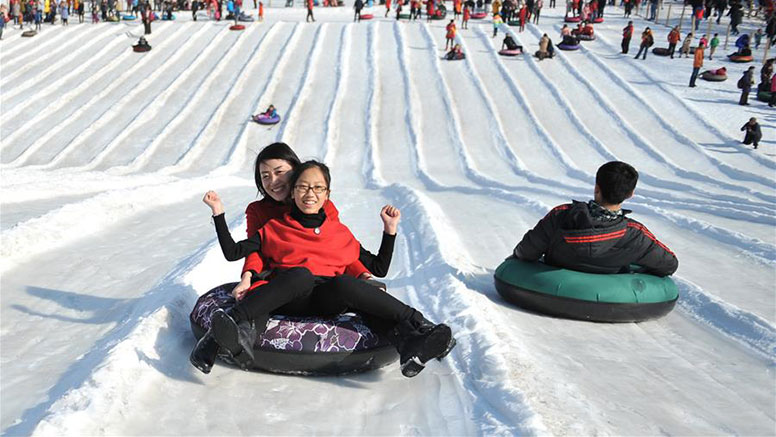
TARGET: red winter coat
(285,243)
(627,32)
(430,7)
(466,14)
(450,30)
(773,84)
(309,4)
(674,37)
(258,213)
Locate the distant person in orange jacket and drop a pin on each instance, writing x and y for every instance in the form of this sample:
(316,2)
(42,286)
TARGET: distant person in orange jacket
(450,36)
(466,16)
(673,38)
(697,63)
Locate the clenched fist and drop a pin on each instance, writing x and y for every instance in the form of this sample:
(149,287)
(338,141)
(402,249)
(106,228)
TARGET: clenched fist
(212,200)
(390,215)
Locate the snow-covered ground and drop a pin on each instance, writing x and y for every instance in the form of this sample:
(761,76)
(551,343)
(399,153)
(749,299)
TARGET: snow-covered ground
(106,245)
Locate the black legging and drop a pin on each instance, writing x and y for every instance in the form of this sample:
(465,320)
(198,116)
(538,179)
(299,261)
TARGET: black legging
(296,291)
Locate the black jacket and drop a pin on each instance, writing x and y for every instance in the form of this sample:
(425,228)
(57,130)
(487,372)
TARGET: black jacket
(753,132)
(570,237)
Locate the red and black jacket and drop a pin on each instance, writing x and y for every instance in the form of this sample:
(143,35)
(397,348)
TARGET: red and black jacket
(258,213)
(570,237)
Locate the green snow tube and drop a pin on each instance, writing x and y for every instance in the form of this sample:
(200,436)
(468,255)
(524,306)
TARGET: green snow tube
(626,297)
(764,96)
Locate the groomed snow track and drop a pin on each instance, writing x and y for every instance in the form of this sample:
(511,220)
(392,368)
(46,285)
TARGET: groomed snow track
(105,245)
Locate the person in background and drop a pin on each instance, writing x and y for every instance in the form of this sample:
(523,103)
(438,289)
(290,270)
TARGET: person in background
(646,42)
(627,33)
(745,84)
(753,133)
(450,34)
(697,63)
(309,12)
(713,45)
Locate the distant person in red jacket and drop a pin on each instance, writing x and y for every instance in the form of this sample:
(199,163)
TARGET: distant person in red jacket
(627,34)
(308,255)
(597,236)
(466,16)
(309,11)
(430,9)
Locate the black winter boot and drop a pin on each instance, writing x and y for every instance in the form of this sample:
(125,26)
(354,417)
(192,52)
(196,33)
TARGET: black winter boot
(420,341)
(204,354)
(235,337)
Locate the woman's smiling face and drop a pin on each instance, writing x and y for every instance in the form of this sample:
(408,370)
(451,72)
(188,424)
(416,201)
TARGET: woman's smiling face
(310,191)
(275,176)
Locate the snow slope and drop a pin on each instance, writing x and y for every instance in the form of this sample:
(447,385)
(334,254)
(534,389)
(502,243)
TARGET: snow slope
(105,245)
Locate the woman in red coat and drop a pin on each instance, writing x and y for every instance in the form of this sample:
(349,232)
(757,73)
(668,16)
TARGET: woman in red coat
(272,171)
(308,256)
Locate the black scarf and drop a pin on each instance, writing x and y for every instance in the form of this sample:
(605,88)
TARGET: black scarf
(308,220)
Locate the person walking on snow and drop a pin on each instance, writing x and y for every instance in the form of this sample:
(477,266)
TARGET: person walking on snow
(497,22)
(309,12)
(465,19)
(387,7)
(357,6)
(696,65)
(537,10)
(745,85)
(646,42)
(627,33)
(146,14)
(685,50)
(450,36)
(713,45)
(753,133)
(522,16)
(673,38)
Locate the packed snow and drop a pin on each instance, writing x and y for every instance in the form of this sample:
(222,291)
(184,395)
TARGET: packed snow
(106,244)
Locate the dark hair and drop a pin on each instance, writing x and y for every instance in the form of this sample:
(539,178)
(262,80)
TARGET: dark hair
(273,151)
(616,181)
(301,168)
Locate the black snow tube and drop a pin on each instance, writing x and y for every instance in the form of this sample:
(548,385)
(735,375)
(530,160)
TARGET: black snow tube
(336,345)
(627,297)
(29,33)
(141,48)
(572,19)
(711,77)
(660,51)
(583,37)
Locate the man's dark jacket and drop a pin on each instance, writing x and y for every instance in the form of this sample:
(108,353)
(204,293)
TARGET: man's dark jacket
(570,237)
